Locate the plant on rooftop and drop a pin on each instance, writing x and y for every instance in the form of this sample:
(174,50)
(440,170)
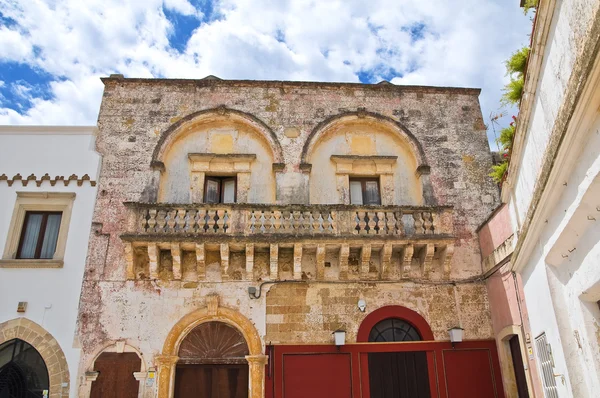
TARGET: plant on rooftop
(515,68)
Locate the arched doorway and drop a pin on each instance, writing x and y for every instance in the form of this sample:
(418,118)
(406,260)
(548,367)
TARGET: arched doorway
(23,372)
(397,374)
(212,363)
(213,312)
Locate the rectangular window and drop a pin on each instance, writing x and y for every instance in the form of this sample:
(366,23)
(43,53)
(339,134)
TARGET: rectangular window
(220,189)
(364,191)
(39,235)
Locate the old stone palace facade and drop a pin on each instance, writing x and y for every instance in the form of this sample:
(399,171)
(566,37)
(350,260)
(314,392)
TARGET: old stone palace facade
(271,214)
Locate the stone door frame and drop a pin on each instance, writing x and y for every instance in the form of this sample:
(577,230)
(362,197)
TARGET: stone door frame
(167,362)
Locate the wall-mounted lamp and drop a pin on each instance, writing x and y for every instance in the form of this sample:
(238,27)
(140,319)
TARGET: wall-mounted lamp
(362,305)
(456,335)
(340,338)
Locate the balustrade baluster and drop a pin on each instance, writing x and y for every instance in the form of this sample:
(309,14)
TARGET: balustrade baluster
(192,221)
(362,224)
(180,221)
(381,227)
(151,220)
(210,221)
(326,222)
(399,223)
(418,222)
(390,223)
(372,223)
(220,221)
(333,217)
(276,220)
(160,221)
(171,221)
(297,221)
(267,223)
(427,224)
(316,224)
(306,221)
(201,221)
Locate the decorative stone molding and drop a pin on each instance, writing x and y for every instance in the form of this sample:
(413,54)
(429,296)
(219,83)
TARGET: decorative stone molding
(167,361)
(38,182)
(205,117)
(381,166)
(47,346)
(237,164)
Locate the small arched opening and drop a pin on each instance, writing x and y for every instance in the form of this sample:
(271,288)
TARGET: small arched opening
(212,363)
(23,371)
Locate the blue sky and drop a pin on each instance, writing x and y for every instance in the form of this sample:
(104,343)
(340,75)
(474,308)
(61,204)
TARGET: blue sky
(53,53)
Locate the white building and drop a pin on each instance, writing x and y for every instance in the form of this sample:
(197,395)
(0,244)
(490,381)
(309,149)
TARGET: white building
(47,195)
(553,193)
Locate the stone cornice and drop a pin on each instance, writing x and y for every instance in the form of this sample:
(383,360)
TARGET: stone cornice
(291,84)
(46,177)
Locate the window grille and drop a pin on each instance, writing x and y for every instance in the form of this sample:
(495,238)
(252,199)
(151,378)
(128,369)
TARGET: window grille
(546,363)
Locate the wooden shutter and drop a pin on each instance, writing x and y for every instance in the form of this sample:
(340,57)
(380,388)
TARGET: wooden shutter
(371,196)
(212,190)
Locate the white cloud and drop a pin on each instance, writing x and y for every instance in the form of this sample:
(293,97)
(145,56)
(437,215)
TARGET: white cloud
(463,43)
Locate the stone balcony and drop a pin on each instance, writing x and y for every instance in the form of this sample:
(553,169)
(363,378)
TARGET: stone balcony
(275,242)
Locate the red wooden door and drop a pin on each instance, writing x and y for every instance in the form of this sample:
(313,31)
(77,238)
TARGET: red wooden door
(398,375)
(470,373)
(317,376)
(115,378)
(211,381)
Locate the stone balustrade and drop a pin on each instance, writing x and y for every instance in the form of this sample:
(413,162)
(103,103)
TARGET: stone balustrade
(279,242)
(315,220)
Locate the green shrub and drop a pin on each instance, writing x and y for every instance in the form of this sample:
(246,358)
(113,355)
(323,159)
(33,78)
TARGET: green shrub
(513,91)
(498,171)
(517,61)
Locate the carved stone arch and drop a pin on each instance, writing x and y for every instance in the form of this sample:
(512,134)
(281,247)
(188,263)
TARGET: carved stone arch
(113,347)
(368,117)
(116,346)
(213,312)
(46,345)
(221,113)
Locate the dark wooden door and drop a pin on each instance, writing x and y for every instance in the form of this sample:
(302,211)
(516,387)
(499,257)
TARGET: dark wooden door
(115,379)
(398,375)
(517,359)
(211,381)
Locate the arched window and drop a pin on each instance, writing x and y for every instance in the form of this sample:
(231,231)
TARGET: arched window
(393,329)
(212,363)
(23,372)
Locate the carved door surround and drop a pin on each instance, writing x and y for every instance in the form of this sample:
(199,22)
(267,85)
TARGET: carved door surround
(166,362)
(237,164)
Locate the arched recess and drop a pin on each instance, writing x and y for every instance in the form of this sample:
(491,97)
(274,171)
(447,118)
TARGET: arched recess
(366,144)
(48,348)
(215,143)
(333,122)
(397,312)
(114,349)
(169,358)
(223,114)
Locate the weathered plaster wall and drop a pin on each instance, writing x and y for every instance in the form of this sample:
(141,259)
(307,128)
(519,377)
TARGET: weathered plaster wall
(363,140)
(134,113)
(495,231)
(221,139)
(52,294)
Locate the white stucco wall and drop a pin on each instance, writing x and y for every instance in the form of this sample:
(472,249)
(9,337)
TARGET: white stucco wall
(564,43)
(52,294)
(561,273)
